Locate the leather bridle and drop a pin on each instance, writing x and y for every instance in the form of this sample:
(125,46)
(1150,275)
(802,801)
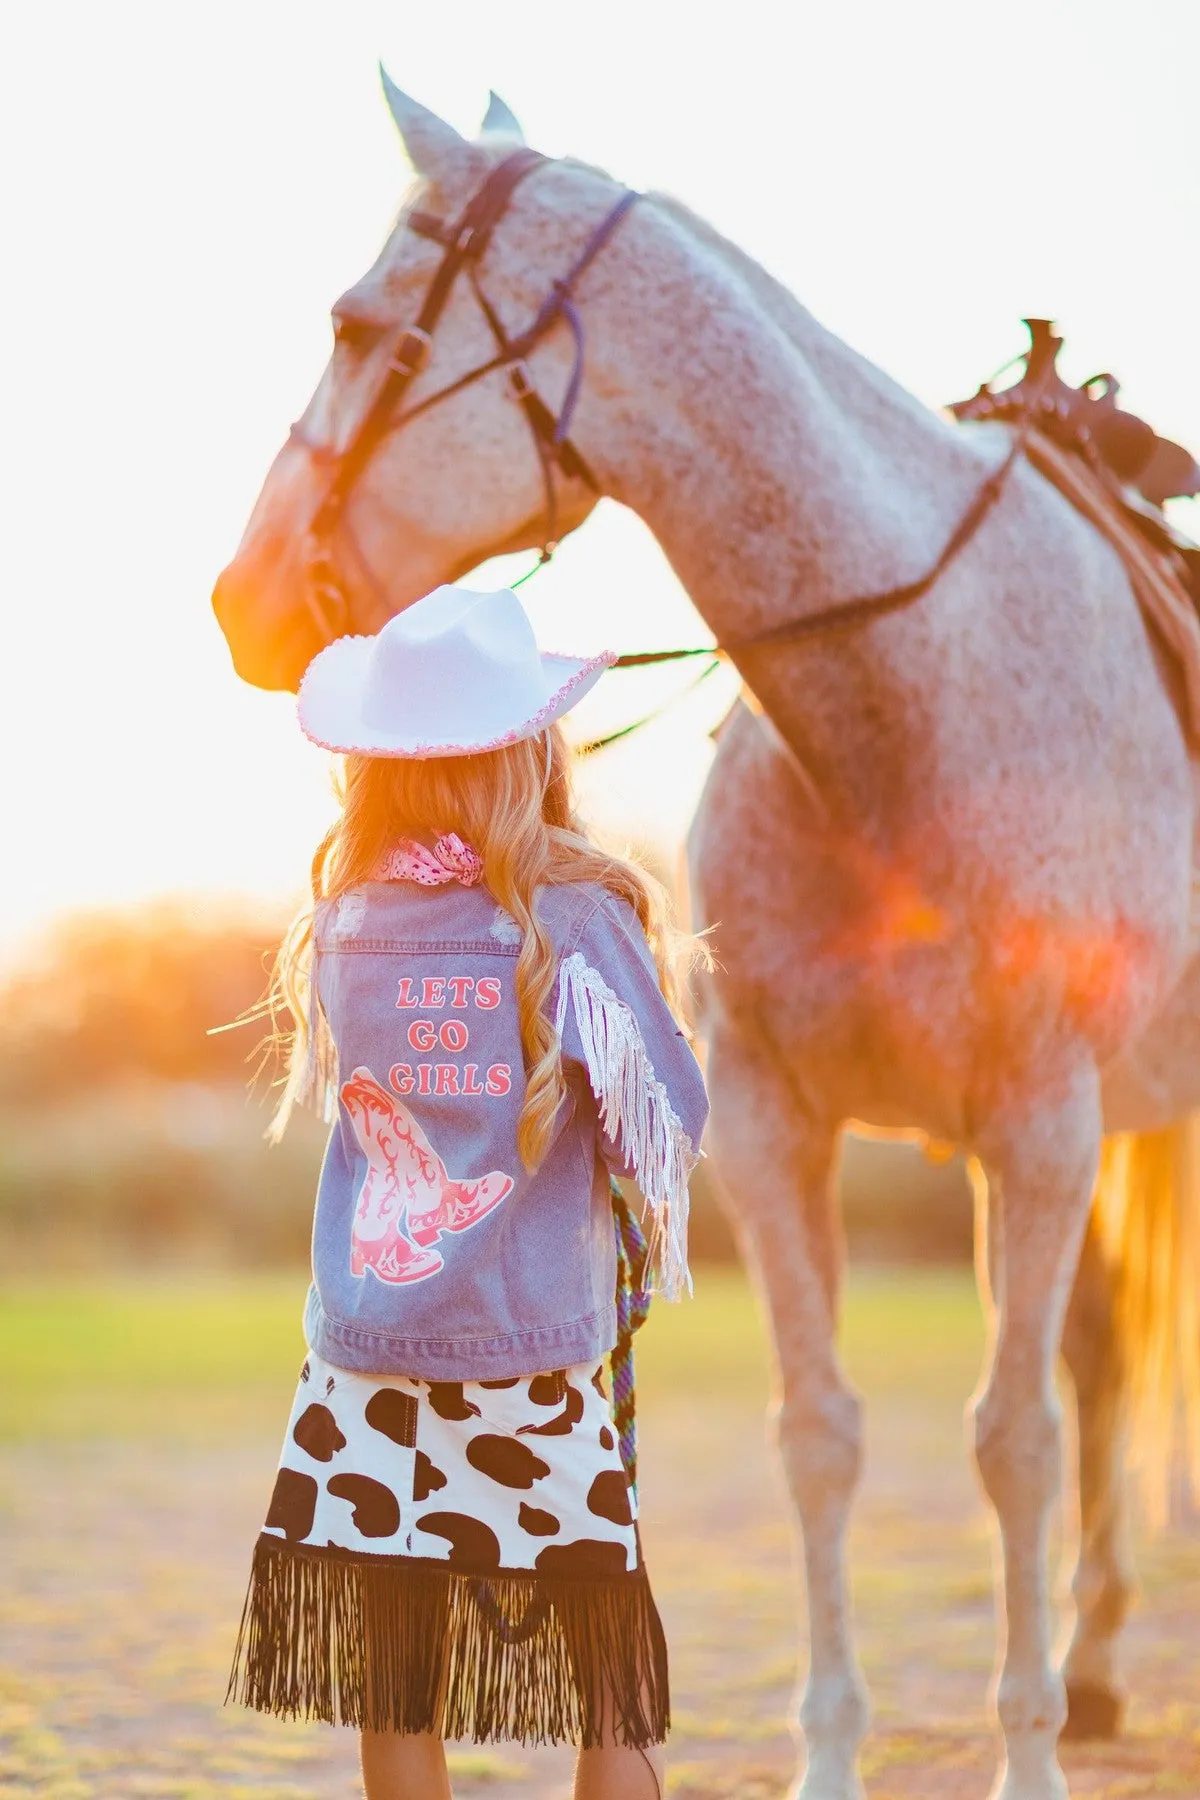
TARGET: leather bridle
(464,242)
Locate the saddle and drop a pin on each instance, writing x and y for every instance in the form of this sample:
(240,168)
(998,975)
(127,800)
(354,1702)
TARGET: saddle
(1139,469)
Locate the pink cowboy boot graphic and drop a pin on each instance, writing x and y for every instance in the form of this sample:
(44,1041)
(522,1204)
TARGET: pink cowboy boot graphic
(406,1184)
(460,1204)
(378,1240)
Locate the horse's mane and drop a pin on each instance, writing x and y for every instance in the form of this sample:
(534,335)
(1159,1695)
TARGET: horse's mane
(838,365)
(776,299)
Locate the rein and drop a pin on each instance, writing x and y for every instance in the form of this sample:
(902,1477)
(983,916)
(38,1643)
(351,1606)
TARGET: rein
(839,615)
(845,615)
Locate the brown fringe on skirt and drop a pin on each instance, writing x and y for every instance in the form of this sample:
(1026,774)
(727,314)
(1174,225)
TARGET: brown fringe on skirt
(393,1644)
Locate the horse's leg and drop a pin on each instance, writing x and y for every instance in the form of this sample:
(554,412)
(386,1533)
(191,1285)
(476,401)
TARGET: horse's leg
(1104,1583)
(1041,1167)
(775,1161)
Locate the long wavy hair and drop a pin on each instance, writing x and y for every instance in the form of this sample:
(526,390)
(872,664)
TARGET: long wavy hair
(515,806)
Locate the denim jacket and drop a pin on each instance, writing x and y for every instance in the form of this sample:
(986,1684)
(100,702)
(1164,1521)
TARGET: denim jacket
(435,1252)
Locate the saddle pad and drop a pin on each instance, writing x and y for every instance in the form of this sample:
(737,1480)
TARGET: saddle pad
(1161,592)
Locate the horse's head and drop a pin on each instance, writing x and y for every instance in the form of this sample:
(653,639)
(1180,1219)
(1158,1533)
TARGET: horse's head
(375,498)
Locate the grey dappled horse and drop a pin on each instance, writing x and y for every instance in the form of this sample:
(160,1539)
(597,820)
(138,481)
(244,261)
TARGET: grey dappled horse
(949,854)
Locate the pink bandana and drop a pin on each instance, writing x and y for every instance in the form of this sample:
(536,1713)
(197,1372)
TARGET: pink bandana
(449,860)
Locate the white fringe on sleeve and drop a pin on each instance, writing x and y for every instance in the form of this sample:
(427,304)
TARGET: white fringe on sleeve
(636,1113)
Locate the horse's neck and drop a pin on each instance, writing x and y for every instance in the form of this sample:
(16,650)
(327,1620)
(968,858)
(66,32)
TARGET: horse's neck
(778,469)
(861,391)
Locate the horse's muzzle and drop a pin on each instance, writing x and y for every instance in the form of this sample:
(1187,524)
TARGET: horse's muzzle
(271,646)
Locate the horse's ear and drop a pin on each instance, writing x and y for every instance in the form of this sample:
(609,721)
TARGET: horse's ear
(501,119)
(434,148)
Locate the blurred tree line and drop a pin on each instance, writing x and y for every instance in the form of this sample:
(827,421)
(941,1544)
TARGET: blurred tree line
(134,996)
(131,1128)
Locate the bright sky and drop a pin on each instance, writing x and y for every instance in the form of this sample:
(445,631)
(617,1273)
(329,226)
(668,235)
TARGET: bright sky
(193,185)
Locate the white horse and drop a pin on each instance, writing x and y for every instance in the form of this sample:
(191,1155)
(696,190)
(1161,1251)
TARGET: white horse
(949,855)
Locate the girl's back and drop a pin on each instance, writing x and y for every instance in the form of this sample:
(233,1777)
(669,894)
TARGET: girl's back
(436,1252)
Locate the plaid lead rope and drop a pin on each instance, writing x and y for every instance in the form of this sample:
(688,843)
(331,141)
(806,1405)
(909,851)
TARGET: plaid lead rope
(633,1307)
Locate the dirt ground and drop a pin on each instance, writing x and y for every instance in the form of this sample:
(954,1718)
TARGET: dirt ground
(125,1556)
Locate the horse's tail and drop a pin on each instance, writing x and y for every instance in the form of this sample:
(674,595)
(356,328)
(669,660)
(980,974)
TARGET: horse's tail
(1147,1213)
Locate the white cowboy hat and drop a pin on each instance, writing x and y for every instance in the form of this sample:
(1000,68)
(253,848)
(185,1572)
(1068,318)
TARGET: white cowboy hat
(454,674)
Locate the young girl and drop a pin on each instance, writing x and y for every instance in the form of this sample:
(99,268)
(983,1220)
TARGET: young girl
(486,1007)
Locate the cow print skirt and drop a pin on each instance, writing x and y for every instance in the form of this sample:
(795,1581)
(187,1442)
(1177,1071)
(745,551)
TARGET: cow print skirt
(454,1557)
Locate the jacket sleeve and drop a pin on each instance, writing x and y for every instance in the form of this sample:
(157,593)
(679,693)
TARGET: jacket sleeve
(612,1019)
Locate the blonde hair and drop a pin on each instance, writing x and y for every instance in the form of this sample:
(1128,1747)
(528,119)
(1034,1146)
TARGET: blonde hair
(515,807)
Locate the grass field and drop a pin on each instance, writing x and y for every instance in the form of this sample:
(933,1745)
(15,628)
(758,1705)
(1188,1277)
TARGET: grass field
(138,1430)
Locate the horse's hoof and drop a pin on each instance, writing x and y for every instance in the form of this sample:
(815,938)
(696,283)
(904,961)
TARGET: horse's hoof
(1092,1712)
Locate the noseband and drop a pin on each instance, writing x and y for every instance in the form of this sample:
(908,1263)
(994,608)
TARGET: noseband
(463,245)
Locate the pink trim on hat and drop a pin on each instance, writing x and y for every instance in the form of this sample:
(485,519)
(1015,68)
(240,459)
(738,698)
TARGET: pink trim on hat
(604,660)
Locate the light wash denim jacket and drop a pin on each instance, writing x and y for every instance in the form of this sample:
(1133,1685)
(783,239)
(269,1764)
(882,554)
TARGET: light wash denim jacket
(435,1252)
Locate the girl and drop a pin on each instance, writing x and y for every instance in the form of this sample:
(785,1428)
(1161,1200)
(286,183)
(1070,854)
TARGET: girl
(487,1008)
